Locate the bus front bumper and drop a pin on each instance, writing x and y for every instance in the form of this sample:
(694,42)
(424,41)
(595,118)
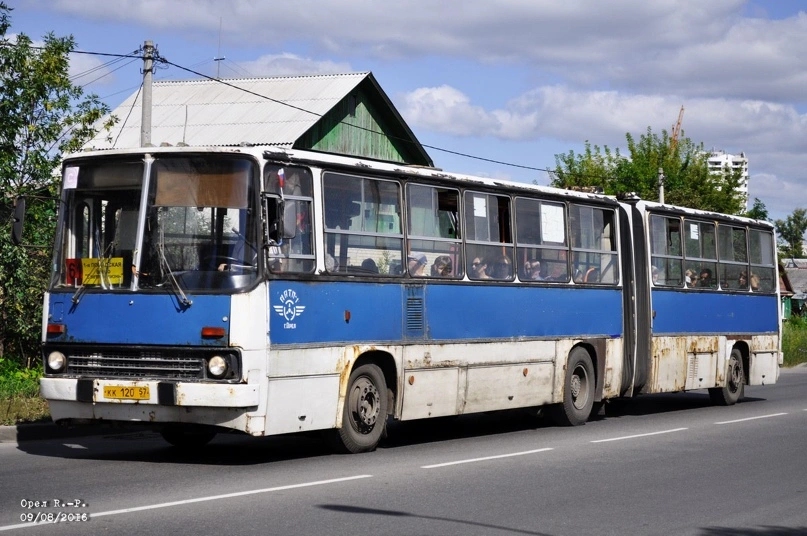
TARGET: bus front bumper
(158,393)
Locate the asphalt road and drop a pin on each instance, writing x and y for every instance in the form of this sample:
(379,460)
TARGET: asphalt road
(665,464)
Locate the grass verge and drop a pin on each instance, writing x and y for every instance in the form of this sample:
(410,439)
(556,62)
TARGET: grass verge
(19,394)
(794,341)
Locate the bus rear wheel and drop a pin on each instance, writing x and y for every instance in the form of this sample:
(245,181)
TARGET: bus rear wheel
(184,437)
(365,413)
(578,391)
(734,389)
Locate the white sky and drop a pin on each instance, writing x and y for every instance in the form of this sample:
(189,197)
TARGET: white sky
(516,81)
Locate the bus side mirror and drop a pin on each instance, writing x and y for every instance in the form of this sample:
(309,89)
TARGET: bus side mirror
(17,225)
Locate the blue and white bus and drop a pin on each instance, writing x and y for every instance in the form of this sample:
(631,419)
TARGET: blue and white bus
(275,291)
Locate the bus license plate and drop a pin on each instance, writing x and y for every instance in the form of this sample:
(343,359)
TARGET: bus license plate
(119,392)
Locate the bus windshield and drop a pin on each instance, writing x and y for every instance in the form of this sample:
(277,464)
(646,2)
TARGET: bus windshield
(197,232)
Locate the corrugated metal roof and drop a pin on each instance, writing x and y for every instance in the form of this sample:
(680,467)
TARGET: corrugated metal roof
(271,111)
(798,279)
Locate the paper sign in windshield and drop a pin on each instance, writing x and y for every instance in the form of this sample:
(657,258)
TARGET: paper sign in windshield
(100,272)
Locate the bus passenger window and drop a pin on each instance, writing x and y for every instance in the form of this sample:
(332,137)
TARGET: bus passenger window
(362,225)
(761,252)
(541,243)
(433,229)
(489,238)
(700,253)
(733,253)
(593,236)
(666,254)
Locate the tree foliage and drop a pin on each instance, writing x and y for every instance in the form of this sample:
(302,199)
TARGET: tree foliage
(759,211)
(791,234)
(43,116)
(688,181)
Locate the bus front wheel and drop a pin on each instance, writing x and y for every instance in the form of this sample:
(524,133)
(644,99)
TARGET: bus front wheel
(365,413)
(734,389)
(578,391)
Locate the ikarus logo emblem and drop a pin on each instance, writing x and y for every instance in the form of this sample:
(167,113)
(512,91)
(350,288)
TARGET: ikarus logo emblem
(290,308)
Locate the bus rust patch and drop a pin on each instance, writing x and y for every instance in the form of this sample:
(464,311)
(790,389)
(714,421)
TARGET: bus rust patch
(697,344)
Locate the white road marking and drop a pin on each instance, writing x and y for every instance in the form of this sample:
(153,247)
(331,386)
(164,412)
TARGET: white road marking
(74,446)
(472,460)
(640,435)
(202,499)
(752,418)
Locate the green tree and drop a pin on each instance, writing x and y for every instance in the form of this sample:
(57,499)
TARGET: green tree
(688,181)
(791,234)
(759,211)
(43,116)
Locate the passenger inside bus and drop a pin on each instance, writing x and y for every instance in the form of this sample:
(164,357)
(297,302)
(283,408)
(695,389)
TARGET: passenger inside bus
(705,280)
(479,269)
(502,268)
(417,263)
(442,266)
(533,270)
(368,265)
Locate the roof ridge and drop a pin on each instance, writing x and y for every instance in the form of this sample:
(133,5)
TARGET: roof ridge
(260,78)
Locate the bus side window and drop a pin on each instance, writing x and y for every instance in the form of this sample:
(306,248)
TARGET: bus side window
(489,237)
(362,224)
(541,241)
(700,253)
(594,242)
(666,254)
(433,215)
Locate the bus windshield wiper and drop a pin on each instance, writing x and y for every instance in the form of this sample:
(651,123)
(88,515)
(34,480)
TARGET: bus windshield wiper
(167,269)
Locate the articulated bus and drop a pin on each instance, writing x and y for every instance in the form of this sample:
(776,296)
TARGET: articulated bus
(271,291)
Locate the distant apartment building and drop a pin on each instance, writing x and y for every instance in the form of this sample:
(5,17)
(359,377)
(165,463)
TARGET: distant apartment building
(719,161)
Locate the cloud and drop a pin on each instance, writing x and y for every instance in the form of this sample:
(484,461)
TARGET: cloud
(773,136)
(288,64)
(687,47)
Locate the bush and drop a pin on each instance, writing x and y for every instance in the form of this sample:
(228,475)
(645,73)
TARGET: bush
(16,381)
(794,341)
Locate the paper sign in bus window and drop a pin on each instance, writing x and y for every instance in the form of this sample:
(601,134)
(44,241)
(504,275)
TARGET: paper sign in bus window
(70,178)
(102,271)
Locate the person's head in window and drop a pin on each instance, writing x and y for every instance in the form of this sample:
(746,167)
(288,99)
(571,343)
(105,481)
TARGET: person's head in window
(416,264)
(442,266)
(479,269)
(533,270)
(654,272)
(705,279)
(369,266)
(742,280)
(502,268)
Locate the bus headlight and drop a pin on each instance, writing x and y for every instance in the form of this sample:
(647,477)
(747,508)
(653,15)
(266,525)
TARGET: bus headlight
(217,366)
(56,361)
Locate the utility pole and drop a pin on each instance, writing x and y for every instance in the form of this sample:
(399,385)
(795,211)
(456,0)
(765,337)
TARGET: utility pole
(218,57)
(145,117)
(661,186)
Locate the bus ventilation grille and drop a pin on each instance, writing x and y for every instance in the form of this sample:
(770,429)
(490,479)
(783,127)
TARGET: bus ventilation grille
(415,315)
